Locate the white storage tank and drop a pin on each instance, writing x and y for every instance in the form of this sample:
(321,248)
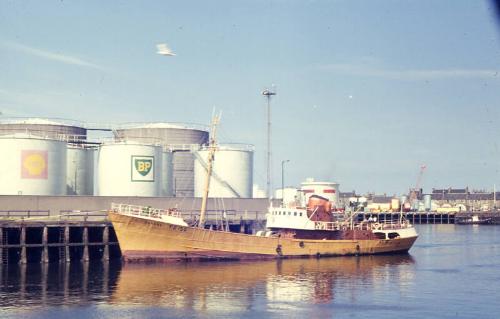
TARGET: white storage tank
(181,138)
(32,166)
(167,173)
(427,202)
(232,174)
(289,195)
(129,169)
(80,171)
(329,190)
(60,129)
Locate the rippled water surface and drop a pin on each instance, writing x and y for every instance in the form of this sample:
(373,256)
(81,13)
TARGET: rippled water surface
(451,272)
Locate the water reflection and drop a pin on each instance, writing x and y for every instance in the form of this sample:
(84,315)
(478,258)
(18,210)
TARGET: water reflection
(198,287)
(39,285)
(228,287)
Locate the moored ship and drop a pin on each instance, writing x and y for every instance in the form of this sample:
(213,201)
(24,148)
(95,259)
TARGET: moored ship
(315,230)
(162,235)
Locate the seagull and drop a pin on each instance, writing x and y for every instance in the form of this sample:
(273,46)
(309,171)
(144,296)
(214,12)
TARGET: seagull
(163,49)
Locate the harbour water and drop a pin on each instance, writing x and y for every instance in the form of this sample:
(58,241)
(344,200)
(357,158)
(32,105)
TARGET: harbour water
(453,271)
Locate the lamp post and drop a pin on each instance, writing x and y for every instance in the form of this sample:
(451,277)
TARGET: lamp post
(283,181)
(268,94)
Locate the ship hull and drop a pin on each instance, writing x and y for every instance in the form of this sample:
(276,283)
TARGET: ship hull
(148,240)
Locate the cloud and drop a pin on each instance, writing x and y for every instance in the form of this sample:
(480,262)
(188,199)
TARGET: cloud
(409,74)
(62,58)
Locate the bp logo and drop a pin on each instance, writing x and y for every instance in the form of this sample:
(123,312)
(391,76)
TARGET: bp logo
(143,168)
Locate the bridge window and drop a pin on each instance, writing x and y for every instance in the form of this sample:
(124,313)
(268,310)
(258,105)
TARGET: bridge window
(300,214)
(393,235)
(294,213)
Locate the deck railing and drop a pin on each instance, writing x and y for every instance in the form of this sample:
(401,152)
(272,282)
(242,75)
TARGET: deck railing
(146,211)
(364,225)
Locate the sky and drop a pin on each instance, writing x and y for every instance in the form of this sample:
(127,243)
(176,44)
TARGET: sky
(367,91)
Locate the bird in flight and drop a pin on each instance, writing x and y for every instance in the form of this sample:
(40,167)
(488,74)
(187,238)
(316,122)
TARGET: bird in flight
(163,49)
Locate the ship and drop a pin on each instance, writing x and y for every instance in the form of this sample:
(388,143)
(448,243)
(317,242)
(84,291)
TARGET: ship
(316,230)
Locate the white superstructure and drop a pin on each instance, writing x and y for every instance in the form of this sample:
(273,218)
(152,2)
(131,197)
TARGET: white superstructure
(232,172)
(292,218)
(129,169)
(32,166)
(297,219)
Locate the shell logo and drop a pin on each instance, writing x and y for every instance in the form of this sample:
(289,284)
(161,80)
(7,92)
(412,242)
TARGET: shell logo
(34,164)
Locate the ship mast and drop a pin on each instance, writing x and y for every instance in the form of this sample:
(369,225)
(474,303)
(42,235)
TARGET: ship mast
(212,147)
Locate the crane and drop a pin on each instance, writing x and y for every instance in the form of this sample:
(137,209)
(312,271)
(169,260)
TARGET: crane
(413,192)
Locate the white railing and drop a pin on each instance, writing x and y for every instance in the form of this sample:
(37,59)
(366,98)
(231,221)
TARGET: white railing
(318,225)
(145,211)
(364,225)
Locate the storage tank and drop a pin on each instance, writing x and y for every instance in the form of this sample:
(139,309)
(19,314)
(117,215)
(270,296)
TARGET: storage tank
(395,205)
(427,202)
(181,138)
(80,171)
(129,169)
(167,173)
(32,166)
(232,174)
(328,190)
(288,194)
(42,127)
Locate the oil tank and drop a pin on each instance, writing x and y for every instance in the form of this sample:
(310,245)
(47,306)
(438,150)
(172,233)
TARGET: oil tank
(232,174)
(288,195)
(167,173)
(181,138)
(427,202)
(129,169)
(395,205)
(50,128)
(329,190)
(80,171)
(32,166)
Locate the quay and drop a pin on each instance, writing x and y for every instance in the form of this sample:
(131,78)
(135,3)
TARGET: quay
(487,217)
(28,241)
(45,229)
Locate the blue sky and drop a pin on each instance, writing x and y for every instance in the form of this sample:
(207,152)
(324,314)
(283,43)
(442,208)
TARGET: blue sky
(367,90)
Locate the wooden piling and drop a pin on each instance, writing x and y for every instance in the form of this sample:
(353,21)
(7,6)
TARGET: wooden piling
(67,258)
(105,241)
(1,245)
(22,241)
(45,247)
(85,256)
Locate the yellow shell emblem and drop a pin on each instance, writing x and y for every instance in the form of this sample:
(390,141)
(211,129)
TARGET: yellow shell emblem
(35,164)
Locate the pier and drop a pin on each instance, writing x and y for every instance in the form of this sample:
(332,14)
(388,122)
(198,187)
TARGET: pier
(413,217)
(65,241)
(416,218)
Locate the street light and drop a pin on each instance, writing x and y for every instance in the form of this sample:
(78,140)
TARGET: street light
(268,94)
(283,181)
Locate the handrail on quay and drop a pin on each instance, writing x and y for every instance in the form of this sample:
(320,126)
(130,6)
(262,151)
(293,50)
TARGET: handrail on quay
(44,215)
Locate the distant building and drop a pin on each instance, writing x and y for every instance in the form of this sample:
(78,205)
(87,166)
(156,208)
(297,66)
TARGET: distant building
(471,199)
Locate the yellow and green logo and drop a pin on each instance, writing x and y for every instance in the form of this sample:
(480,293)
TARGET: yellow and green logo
(143,166)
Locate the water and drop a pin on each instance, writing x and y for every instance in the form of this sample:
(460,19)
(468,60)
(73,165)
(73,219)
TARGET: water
(452,272)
